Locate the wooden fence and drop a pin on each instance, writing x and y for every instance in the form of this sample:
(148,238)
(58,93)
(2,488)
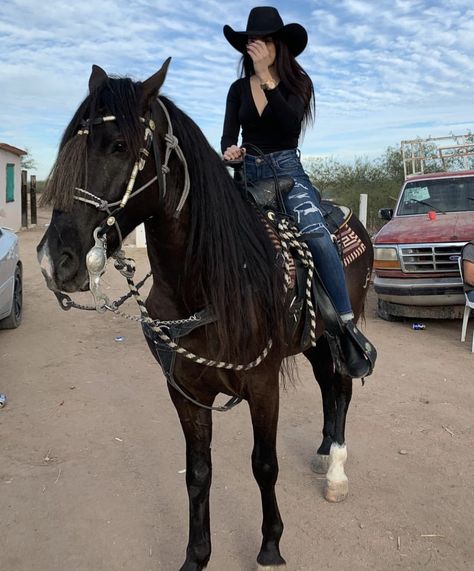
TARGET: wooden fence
(28,199)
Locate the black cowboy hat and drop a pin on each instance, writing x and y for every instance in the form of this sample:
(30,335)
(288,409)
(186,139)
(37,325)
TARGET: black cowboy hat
(266,21)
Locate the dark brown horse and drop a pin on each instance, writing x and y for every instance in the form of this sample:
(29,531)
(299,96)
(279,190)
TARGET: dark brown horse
(209,256)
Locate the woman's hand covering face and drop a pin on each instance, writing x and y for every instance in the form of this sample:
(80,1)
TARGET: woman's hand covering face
(262,55)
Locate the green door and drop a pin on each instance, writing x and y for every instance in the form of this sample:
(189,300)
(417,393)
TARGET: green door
(10,182)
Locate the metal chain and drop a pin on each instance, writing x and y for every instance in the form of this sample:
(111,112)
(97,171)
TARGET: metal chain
(67,303)
(167,340)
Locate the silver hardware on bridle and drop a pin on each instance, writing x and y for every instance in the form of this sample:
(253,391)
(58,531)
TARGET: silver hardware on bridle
(96,258)
(172,144)
(96,261)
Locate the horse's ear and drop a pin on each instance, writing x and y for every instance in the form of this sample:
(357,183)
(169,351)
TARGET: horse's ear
(153,84)
(97,77)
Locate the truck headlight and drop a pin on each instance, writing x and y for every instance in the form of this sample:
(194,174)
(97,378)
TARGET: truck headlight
(386,258)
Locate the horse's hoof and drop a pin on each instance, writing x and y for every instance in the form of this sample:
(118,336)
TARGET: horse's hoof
(320,463)
(271,567)
(336,491)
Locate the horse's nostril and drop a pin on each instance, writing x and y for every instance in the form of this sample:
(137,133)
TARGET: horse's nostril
(67,266)
(65,260)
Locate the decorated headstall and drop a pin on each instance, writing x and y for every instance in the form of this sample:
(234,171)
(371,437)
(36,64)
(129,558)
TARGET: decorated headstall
(96,259)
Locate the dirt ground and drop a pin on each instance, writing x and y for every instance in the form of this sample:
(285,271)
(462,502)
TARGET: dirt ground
(92,455)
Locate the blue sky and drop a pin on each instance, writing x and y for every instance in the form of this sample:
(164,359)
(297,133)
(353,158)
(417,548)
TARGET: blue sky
(383,70)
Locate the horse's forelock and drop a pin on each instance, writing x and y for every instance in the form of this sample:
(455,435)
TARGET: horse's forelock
(66,175)
(118,97)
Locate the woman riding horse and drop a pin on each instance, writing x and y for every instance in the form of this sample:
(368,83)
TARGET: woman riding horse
(128,156)
(271,103)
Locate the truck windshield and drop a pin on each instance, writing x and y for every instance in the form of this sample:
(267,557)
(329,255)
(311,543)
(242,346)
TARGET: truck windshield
(441,195)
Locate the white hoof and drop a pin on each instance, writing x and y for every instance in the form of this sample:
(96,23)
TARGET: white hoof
(336,492)
(320,463)
(270,567)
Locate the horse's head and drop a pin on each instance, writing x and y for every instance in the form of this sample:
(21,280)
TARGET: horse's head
(98,185)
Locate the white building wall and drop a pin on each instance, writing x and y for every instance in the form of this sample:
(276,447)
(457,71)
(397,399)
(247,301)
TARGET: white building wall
(10,212)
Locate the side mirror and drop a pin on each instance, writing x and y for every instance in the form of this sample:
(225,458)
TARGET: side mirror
(386,213)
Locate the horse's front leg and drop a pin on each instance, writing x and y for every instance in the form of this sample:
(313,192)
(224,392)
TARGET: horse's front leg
(197,427)
(336,392)
(264,411)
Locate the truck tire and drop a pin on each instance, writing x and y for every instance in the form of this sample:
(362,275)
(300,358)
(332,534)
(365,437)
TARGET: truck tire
(383,312)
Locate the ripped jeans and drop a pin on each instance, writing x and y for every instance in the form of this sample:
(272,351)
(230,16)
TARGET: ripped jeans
(303,204)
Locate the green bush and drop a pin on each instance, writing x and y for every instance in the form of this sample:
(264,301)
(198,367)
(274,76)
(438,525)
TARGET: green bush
(379,178)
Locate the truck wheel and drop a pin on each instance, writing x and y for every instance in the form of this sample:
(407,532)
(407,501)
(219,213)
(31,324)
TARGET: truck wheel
(13,320)
(383,312)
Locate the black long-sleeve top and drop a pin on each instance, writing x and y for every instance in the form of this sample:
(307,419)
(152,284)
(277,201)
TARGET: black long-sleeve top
(277,129)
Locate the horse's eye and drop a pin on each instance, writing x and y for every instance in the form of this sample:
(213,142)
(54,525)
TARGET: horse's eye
(119,147)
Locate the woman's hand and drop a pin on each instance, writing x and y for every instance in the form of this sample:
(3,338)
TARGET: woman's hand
(234,153)
(262,59)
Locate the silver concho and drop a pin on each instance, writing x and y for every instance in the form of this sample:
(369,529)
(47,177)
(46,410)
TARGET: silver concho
(96,261)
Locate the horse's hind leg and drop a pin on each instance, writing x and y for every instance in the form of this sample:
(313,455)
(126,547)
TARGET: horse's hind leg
(197,427)
(336,391)
(264,411)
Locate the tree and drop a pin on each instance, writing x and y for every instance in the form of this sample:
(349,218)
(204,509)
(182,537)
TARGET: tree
(27,161)
(380,179)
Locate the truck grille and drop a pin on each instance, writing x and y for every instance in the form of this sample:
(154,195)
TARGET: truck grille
(421,258)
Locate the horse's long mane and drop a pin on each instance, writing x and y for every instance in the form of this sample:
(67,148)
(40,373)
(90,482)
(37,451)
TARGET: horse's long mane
(230,262)
(230,259)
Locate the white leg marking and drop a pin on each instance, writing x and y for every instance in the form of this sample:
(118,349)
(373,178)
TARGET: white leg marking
(337,485)
(337,459)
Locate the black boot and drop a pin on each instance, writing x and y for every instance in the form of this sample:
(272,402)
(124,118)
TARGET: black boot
(358,353)
(353,354)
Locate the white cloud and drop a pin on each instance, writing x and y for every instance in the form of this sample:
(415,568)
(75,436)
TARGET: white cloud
(377,68)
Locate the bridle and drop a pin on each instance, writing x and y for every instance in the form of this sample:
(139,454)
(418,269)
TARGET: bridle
(96,259)
(162,168)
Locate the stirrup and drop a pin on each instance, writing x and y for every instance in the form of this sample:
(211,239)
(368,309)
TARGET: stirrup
(354,355)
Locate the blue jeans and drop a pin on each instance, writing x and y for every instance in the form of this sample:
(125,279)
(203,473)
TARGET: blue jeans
(303,204)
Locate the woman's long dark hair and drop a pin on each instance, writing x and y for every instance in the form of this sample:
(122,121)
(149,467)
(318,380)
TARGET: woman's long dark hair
(293,76)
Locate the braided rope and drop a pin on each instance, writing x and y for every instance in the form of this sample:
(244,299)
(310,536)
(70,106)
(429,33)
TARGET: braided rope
(290,238)
(172,144)
(157,328)
(126,266)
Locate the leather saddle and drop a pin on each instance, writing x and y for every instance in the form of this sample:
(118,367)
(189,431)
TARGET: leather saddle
(352,352)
